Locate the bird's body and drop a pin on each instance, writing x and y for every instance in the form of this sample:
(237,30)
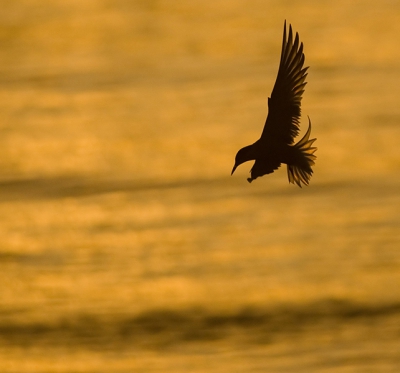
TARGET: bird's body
(276,144)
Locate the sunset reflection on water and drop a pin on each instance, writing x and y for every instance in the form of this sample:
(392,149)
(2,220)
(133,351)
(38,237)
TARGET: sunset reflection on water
(126,244)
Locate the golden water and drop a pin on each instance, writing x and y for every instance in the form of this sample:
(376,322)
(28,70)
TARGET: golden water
(126,246)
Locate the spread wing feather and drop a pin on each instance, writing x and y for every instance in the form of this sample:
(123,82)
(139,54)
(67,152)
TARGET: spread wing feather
(283,119)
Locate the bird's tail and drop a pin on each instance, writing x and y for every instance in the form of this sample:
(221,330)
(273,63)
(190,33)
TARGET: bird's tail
(300,171)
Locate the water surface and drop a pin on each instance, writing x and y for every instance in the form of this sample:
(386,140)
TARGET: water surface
(126,246)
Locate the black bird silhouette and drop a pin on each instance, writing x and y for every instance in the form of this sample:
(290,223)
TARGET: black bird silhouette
(276,144)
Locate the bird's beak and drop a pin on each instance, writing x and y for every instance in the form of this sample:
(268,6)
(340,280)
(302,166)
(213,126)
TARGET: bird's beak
(233,169)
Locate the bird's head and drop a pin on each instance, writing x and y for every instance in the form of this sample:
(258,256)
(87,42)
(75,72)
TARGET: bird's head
(243,155)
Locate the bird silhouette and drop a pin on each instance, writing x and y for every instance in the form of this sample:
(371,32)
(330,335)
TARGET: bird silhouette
(276,144)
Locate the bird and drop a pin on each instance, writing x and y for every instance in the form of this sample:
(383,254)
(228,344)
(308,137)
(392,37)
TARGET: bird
(276,144)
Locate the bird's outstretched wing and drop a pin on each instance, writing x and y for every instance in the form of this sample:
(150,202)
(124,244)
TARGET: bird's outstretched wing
(284,112)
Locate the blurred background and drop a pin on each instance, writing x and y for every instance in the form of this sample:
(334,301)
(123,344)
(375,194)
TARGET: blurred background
(125,244)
